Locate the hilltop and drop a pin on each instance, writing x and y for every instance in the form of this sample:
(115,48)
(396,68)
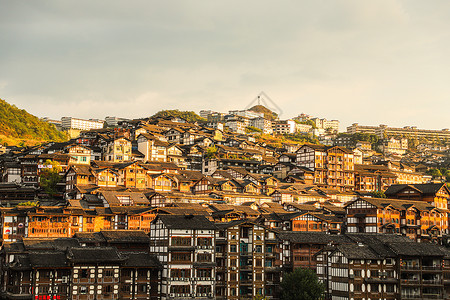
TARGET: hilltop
(189,116)
(18,127)
(268,114)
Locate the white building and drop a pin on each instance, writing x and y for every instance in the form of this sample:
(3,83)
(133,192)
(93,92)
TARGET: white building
(81,124)
(284,127)
(246,113)
(264,124)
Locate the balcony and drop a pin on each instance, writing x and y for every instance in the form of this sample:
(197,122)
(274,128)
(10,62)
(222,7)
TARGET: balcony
(431,268)
(410,281)
(432,282)
(432,296)
(181,248)
(411,268)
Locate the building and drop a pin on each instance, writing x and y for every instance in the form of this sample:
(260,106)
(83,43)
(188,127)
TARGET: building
(246,113)
(185,246)
(261,123)
(383,131)
(383,267)
(80,124)
(248,261)
(114,121)
(395,146)
(284,127)
(63,269)
(417,220)
(333,167)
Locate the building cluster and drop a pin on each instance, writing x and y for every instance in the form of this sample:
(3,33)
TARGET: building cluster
(166,209)
(239,120)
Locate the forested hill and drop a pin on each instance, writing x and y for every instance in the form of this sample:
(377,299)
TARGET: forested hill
(189,116)
(18,127)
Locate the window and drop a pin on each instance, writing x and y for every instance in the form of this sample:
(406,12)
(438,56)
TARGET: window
(181,241)
(109,273)
(204,257)
(83,290)
(107,289)
(181,257)
(201,241)
(142,288)
(84,273)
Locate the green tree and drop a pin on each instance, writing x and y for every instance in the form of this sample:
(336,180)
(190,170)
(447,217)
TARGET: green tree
(250,129)
(378,194)
(211,151)
(302,284)
(29,203)
(49,177)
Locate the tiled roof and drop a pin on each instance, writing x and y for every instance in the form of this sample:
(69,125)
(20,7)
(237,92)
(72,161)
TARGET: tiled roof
(186,222)
(94,255)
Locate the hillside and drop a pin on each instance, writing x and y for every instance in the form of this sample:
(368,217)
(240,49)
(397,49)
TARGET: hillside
(18,127)
(189,116)
(268,114)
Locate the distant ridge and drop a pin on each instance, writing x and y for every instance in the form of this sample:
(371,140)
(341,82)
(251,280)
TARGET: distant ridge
(18,127)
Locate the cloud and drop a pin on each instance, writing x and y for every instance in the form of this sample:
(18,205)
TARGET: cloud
(367,61)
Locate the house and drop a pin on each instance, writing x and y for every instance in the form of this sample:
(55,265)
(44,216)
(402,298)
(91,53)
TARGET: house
(185,245)
(247,259)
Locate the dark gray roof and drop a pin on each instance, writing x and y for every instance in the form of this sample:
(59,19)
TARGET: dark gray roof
(186,222)
(125,236)
(49,243)
(94,255)
(418,249)
(425,188)
(53,259)
(355,251)
(141,260)
(313,237)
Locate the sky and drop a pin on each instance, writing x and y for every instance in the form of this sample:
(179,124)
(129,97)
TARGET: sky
(366,62)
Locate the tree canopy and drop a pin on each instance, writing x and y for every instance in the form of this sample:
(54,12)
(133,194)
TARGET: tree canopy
(302,284)
(189,116)
(49,177)
(268,114)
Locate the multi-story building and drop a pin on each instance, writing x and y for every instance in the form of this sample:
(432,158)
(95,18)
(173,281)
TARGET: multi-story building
(414,219)
(395,146)
(248,261)
(237,124)
(284,127)
(80,124)
(185,246)
(114,121)
(372,178)
(152,148)
(62,269)
(383,267)
(247,113)
(436,194)
(332,125)
(383,131)
(333,167)
(261,123)
(117,150)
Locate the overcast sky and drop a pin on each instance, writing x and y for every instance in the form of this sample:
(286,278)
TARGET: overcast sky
(371,62)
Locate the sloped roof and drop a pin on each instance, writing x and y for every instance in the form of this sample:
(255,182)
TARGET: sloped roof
(141,260)
(48,259)
(94,255)
(125,236)
(186,222)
